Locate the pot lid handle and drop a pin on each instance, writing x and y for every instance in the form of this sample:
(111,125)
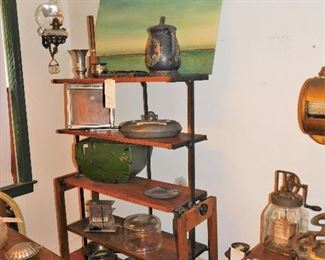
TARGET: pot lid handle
(162,20)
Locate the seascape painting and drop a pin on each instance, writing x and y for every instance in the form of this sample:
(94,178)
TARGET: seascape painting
(121,32)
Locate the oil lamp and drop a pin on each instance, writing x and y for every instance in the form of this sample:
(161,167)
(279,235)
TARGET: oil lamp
(49,18)
(285,215)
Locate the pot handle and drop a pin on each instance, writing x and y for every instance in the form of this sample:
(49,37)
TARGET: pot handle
(172,36)
(174,43)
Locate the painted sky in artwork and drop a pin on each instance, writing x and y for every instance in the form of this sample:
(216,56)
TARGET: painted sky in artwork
(121,26)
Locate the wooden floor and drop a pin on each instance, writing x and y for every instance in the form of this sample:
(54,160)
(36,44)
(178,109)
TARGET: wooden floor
(77,255)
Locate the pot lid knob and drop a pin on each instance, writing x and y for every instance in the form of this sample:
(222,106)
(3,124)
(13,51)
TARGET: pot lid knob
(322,73)
(150,116)
(162,20)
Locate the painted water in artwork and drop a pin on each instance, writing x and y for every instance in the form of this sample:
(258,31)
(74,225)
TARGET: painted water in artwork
(121,32)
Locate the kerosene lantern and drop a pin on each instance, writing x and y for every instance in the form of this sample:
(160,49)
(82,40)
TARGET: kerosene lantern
(49,18)
(285,215)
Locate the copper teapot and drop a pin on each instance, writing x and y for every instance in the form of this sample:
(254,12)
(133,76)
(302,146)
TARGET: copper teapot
(162,53)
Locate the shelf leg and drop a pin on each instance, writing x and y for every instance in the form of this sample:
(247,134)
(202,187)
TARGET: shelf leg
(205,210)
(213,231)
(181,239)
(191,152)
(61,217)
(145,111)
(82,210)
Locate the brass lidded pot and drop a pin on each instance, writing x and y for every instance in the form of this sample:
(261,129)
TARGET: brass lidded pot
(162,53)
(285,215)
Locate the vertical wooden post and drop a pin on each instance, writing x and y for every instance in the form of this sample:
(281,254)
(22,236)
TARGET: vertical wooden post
(205,210)
(61,217)
(181,237)
(213,231)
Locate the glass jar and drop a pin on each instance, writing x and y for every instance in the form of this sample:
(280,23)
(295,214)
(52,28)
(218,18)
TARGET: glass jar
(142,233)
(280,224)
(285,215)
(101,215)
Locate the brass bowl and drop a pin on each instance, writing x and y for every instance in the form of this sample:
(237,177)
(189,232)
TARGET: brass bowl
(22,251)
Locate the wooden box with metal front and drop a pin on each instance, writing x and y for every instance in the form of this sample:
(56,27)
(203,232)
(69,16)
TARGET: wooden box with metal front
(311,107)
(85,108)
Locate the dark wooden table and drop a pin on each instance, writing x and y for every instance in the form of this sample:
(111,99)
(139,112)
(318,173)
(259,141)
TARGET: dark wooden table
(14,237)
(261,253)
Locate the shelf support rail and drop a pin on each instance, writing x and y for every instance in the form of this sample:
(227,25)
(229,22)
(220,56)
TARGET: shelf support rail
(145,111)
(191,153)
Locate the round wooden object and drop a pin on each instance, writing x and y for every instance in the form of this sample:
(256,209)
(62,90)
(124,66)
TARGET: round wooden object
(311,107)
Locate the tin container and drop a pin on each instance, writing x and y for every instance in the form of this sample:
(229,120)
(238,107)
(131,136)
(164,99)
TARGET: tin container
(142,233)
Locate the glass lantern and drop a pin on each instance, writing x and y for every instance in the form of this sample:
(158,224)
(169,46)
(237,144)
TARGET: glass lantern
(49,18)
(285,215)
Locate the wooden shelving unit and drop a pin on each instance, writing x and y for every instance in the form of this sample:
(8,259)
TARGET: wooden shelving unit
(190,208)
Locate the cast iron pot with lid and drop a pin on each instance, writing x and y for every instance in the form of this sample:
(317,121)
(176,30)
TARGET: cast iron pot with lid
(150,127)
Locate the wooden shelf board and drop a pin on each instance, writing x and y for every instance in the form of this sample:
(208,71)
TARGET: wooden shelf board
(114,241)
(133,191)
(125,79)
(114,135)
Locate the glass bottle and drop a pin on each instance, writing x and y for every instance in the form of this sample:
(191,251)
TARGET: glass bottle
(285,215)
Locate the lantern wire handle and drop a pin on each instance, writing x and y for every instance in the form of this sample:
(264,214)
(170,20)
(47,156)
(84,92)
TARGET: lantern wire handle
(54,66)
